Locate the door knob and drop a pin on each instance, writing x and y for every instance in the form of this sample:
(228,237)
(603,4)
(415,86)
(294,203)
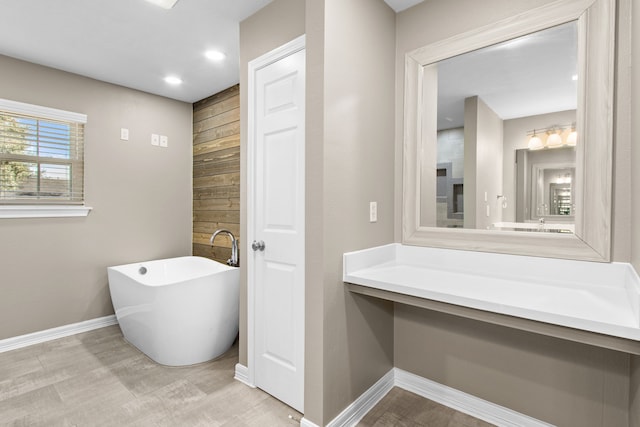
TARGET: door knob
(257,245)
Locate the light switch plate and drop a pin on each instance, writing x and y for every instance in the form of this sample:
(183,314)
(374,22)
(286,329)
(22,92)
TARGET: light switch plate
(155,139)
(164,141)
(373,211)
(124,134)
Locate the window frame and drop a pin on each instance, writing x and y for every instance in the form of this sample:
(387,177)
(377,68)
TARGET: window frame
(43,208)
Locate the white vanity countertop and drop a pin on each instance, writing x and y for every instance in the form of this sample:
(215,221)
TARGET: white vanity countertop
(597,297)
(537,226)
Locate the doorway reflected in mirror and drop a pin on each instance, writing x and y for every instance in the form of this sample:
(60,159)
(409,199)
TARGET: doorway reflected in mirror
(545,182)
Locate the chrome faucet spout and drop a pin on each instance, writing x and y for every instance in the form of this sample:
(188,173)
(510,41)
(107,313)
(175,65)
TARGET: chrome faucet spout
(233,261)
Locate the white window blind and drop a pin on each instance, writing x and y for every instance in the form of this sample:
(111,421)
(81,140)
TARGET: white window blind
(41,155)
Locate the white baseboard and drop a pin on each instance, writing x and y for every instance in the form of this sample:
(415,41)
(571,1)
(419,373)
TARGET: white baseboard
(20,341)
(242,375)
(463,402)
(353,413)
(306,423)
(455,399)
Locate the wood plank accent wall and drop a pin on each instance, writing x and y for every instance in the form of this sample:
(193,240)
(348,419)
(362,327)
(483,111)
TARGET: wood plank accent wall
(216,172)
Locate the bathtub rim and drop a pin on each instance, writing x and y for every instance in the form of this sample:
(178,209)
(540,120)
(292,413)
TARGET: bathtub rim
(132,267)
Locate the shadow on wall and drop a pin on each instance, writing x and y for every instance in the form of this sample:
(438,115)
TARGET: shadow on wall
(369,323)
(100,302)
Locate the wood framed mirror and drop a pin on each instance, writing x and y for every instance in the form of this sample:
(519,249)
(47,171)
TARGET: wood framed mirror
(590,238)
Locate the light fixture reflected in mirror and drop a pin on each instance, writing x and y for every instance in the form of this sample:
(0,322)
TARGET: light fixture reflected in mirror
(555,137)
(535,143)
(572,139)
(554,140)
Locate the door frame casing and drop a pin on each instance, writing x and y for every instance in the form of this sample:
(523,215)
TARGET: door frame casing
(256,65)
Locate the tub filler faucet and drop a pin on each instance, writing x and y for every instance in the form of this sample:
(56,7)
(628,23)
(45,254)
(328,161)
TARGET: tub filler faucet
(233,261)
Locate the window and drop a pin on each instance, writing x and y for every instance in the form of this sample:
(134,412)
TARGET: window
(41,157)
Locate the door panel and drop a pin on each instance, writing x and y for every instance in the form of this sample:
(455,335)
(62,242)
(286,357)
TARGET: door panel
(277,189)
(280,338)
(280,151)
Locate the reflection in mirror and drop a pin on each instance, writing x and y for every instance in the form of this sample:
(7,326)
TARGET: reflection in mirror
(545,182)
(519,96)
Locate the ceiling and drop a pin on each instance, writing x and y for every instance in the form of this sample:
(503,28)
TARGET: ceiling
(134,43)
(131,42)
(400,5)
(527,76)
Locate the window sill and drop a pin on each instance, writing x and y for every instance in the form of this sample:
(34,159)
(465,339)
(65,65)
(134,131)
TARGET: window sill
(51,211)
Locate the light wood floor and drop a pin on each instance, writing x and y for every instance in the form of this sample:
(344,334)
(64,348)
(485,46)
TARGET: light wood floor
(400,408)
(98,379)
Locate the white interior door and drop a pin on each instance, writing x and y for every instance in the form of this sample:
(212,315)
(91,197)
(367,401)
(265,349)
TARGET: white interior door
(276,223)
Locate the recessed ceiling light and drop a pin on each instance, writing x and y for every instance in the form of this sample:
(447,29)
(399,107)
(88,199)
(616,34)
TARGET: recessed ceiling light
(165,4)
(215,55)
(173,80)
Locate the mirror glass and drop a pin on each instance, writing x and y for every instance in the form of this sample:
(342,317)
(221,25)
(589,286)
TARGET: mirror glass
(505,156)
(462,181)
(544,189)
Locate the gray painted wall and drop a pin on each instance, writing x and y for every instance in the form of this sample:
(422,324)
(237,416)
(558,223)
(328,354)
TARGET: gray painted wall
(358,146)
(314,251)
(557,381)
(489,146)
(634,393)
(634,193)
(482,164)
(54,269)
(622,200)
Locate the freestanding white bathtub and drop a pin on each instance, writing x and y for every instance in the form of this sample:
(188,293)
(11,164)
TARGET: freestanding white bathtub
(178,311)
